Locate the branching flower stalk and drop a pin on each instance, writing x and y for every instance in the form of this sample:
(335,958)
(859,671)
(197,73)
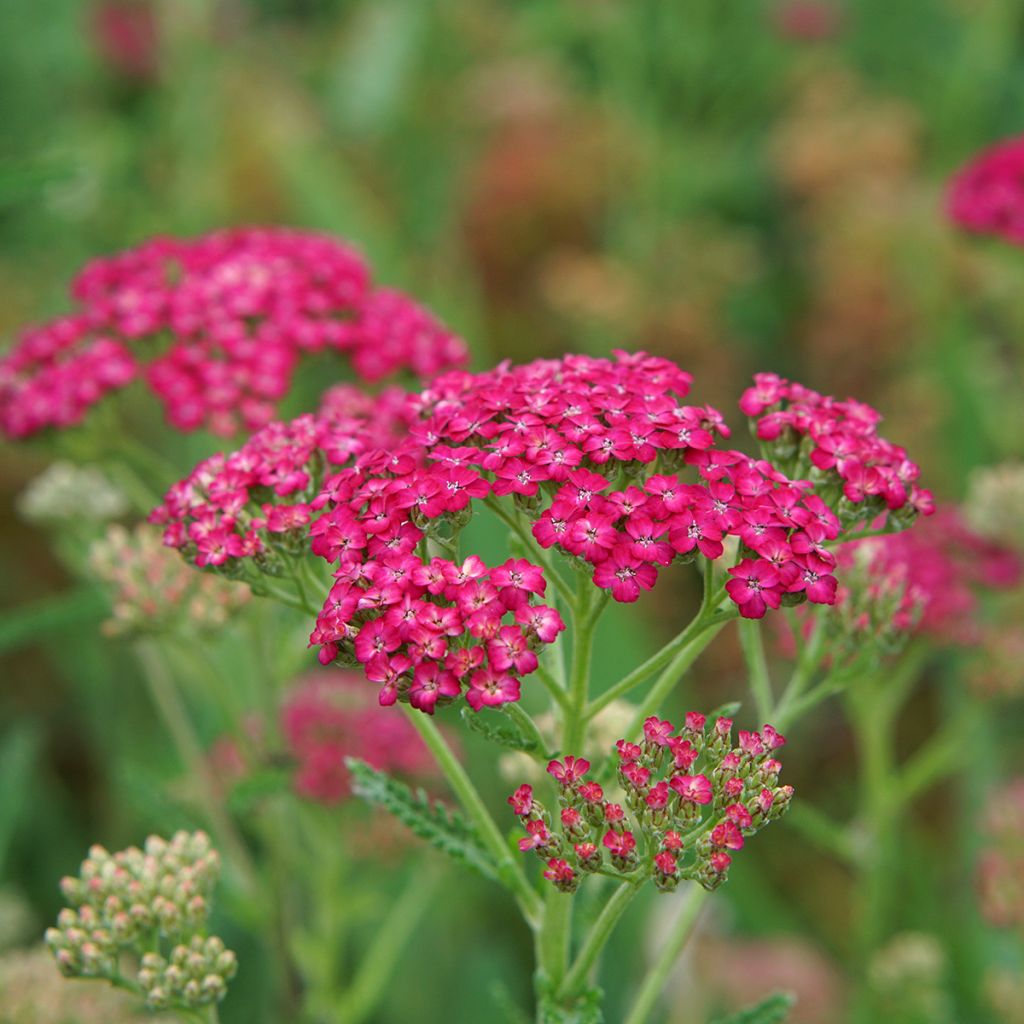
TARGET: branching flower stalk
(354,516)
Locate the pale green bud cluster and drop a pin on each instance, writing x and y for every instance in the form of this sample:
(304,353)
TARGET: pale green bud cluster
(195,975)
(132,905)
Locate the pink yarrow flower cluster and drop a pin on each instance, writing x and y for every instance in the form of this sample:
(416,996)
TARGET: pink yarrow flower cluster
(216,326)
(987,196)
(924,580)
(256,503)
(835,443)
(327,718)
(690,799)
(592,452)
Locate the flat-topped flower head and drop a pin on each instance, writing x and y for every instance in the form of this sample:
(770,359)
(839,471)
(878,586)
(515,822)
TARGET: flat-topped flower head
(257,503)
(691,822)
(608,467)
(215,326)
(987,195)
(835,444)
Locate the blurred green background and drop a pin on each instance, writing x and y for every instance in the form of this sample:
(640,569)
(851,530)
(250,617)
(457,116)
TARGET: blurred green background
(736,184)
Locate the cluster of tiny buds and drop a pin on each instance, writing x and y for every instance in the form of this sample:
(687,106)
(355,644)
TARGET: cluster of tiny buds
(196,974)
(123,903)
(151,587)
(689,798)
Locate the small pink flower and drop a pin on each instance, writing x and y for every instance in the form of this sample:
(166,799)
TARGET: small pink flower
(521,800)
(692,789)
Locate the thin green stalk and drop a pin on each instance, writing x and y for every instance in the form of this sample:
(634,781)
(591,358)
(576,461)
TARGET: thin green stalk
(528,727)
(554,936)
(509,869)
(575,719)
(551,685)
(685,657)
(172,709)
(936,758)
(830,835)
(682,641)
(597,938)
(757,665)
(378,962)
(653,984)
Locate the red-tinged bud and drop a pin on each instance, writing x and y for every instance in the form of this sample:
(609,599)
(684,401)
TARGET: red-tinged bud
(636,775)
(683,753)
(590,793)
(628,751)
(783,795)
(521,800)
(739,815)
(561,875)
(588,855)
(764,800)
(772,738)
(723,728)
(672,840)
(622,847)
(727,834)
(657,732)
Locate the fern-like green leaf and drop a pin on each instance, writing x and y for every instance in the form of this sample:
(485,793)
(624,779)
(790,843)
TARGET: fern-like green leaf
(773,1010)
(429,819)
(497,729)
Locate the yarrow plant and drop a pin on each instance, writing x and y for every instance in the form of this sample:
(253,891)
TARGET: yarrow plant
(605,477)
(359,516)
(215,326)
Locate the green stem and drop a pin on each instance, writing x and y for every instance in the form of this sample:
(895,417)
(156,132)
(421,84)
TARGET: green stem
(936,758)
(757,665)
(651,988)
(685,657)
(529,729)
(551,685)
(584,621)
(378,961)
(597,938)
(681,642)
(553,938)
(820,829)
(508,868)
(172,709)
